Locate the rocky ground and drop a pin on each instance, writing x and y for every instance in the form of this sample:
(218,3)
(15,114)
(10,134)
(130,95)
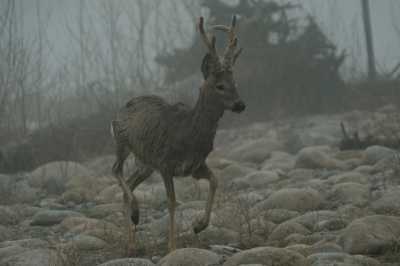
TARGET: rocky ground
(287,196)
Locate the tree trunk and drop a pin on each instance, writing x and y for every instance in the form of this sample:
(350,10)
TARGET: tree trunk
(368,39)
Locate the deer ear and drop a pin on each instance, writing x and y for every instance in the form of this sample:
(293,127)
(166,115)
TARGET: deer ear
(206,66)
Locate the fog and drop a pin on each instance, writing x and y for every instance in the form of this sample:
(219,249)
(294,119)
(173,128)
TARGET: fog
(341,20)
(199,132)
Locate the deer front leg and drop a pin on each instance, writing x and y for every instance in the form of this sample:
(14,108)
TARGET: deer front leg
(205,173)
(130,203)
(169,187)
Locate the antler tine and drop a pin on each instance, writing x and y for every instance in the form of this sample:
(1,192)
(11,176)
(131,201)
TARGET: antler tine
(210,45)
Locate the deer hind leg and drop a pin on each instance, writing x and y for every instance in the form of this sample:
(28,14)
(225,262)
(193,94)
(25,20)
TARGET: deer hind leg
(140,174)
(129,199)
(205,173)
(169,187)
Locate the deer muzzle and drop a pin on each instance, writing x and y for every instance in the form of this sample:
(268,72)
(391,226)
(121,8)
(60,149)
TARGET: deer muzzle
(238,107)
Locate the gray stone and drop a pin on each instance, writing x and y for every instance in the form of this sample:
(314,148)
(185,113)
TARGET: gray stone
(340,259)
(376,153)
(36,257)
(8,216)
(280,215)
(190,256)
(52,217)
(350,193)
(287,228)
(294,199)
(388,204)
(54,176)
(267,256)
(87,242)
(128,262)
(258,179)
(370,235)
(317,157)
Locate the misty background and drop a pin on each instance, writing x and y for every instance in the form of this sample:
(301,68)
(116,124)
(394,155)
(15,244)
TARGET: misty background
(67,66)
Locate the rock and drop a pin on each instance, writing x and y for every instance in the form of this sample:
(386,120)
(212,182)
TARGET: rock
(104,210)
(376,153)
(370,235)
(280,215)
(267,256)
(24,193)
(349,177)
(349,193)
(285,229)
(330,225)
(9,251)
(293,199)
(218,236)
(82,189)
(5,233)
(233,171)
(52,217)
(86,242)
(388,204)
(258,179)
(128,262)
(53,176)
(254,151)
(104,230)
(224,250)
(338,258)
(190,256)
(310,219)
(36,257)
(30,243)
(364,169)
(325,247)
(279,160)
(315,158)
(8,216)
(109,194)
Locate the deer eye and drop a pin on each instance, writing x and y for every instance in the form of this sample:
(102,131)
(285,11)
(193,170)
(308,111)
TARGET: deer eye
(220,87)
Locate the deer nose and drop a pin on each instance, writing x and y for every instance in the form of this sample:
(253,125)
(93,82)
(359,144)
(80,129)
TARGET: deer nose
(238,107)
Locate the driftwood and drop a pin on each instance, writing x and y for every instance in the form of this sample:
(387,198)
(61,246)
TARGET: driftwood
(356,143)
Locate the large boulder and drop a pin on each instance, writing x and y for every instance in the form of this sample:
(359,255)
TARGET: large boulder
(53,176)
(267,256)
(294,199)
(370,235)
(190,256)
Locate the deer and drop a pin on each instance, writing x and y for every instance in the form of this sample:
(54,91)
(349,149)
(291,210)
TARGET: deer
(176,139)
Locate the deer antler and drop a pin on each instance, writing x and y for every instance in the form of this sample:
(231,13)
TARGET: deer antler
(209,44)
(230,55)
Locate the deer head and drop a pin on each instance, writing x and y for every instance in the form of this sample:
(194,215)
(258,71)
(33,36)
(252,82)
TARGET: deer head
(218,71)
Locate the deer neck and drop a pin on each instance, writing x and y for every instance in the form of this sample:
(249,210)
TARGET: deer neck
(205,115)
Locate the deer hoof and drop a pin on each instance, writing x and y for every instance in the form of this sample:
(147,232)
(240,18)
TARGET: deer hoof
(135,216)
(200,225)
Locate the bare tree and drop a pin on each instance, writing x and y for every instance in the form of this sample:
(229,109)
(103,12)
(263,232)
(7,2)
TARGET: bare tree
(369,39)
